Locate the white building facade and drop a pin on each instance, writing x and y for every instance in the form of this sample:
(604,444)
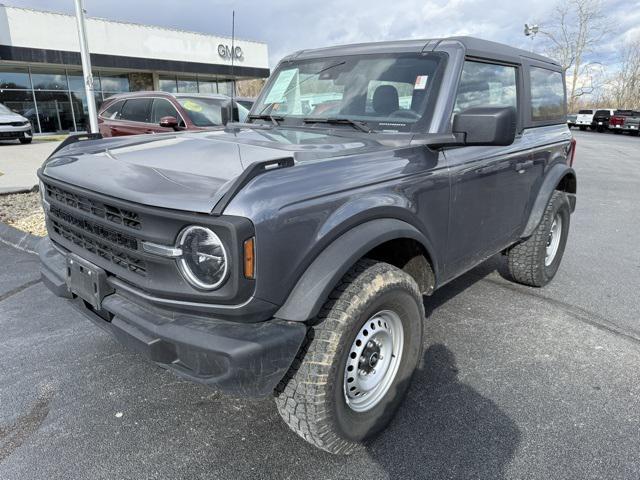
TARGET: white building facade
(41,76)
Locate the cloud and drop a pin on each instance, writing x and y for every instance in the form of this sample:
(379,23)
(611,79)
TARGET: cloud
(290,25)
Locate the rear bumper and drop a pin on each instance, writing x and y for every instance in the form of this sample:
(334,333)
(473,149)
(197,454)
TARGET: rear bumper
(244,359)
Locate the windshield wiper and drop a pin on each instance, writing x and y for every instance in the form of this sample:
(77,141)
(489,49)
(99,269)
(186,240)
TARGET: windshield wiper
(362,126)
(274,119)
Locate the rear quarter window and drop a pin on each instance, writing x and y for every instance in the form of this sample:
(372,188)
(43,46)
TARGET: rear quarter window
(547,95)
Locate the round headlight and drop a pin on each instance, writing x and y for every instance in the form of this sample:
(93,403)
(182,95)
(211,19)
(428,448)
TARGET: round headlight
(204,262)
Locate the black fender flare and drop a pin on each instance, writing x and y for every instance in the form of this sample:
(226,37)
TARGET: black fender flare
(549,184)
(320,278)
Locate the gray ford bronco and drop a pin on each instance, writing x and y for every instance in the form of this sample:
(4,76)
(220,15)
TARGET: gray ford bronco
(290,255)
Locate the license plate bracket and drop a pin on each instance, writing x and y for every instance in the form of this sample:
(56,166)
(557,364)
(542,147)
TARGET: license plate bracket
(87,281)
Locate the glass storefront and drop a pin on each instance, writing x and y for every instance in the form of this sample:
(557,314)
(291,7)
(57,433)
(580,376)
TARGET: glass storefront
(54,99)
(181,84)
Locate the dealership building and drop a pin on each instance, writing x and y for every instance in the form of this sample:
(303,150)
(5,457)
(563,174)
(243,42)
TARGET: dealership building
(41,77)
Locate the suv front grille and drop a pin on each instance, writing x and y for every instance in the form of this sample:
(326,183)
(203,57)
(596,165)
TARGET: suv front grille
(68,224)
(118,216)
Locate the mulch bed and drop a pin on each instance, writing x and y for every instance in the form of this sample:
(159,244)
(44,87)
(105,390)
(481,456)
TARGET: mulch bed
(24,212)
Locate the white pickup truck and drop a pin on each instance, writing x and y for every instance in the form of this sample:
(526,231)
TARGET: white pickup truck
(585,119)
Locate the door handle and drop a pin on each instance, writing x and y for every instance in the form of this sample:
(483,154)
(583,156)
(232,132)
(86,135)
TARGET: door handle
(522,166)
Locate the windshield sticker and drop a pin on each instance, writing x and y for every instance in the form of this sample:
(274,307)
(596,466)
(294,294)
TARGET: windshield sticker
(192,106)
(421,82)
(281,86)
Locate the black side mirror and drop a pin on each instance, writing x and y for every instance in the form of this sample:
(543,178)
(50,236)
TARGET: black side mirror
(169,122)
(486,125)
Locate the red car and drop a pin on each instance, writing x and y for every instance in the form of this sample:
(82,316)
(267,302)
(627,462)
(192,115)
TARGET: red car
(160,112)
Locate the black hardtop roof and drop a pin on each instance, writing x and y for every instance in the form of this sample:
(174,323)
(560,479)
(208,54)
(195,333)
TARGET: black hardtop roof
(475,47)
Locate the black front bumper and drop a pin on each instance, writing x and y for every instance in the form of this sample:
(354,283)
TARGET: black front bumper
(245,359)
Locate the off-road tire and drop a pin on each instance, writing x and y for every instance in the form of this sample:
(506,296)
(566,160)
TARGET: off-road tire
(25,140)
(311,398)
(526,259)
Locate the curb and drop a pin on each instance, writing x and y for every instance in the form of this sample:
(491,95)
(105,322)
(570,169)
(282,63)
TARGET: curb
(14,190)
(18,239)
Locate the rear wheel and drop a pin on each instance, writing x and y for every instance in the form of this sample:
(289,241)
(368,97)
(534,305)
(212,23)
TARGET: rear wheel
(535,260)
(350,377)
(583,128)
(617,132)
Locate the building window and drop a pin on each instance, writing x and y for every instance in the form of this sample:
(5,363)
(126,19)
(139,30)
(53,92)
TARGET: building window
(49,79)
(167,83)
(187,85)
(54,110)
(207,86)
(114,83)
(15,78)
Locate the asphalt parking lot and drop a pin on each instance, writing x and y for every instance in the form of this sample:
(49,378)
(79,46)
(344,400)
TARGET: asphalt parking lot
(516,382)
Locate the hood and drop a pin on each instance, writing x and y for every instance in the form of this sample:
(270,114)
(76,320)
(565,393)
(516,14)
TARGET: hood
(11,117)
(189,171)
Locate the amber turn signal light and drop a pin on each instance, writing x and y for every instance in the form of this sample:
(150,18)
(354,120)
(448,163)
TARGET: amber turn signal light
(250,258)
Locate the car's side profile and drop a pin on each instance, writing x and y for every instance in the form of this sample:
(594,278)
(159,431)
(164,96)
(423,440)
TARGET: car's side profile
(291,255)
(161,112)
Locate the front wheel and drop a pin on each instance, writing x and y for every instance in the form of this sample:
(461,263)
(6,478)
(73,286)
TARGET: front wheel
(351,376)
(535,261)
(25,140)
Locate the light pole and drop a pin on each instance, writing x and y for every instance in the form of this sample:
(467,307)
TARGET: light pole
(531,31)
(86,67)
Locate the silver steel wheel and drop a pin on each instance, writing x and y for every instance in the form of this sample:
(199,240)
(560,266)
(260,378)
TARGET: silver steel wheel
(553,242)
(373,360)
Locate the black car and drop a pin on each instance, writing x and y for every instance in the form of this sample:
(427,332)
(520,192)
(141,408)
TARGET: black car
(601,120)
(290,256)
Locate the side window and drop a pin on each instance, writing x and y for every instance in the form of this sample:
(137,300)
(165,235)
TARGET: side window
(113,111)
(136,110)
(163,108)
(486,85)
(547,95)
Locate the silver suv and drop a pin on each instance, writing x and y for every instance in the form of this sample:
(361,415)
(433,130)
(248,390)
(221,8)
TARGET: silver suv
(14,126)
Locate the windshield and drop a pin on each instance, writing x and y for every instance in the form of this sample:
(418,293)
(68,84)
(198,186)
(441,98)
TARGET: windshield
(388,92)
(4,109)
(211,112)
(585,112)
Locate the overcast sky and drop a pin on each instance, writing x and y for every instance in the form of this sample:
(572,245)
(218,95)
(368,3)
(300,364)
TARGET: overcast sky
(289,25)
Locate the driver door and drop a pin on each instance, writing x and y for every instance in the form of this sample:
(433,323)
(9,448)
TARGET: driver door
(490,185)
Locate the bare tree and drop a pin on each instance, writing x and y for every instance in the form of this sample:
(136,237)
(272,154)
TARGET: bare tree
(625,83)
(572,33)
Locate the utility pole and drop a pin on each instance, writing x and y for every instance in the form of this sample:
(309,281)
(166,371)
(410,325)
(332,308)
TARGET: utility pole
(86,67)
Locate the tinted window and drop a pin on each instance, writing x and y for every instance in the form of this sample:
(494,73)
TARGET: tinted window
(547,95)
(585,112)
(113,110)
(136,110)
(162,108)
(486,85)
